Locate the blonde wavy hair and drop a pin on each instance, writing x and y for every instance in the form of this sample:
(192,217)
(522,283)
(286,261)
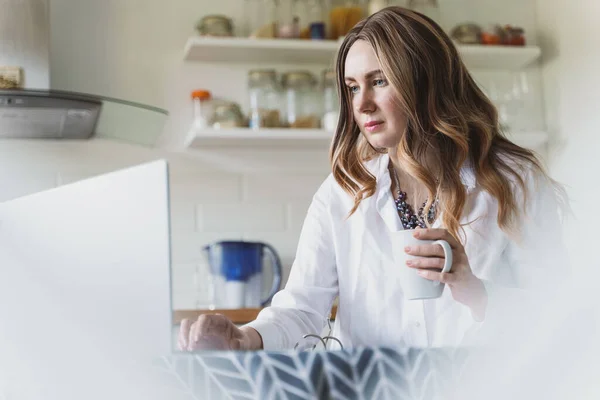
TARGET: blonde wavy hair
(449,121)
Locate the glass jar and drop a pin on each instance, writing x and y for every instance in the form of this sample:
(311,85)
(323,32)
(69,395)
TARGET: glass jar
(202,104)
(429,8)
(301,11)
(331,104)
(343,18)
(215,25)
(261,18)
(227,115)
(302,100)
(265,99)
(288,19)
(316,20)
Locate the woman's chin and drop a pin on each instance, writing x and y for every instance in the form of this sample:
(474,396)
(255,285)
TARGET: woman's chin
(381,141)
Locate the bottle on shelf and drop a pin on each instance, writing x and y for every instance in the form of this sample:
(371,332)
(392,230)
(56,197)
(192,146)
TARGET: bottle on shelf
(317,29)
(227,114)
(289,19)
(202,104)
(343,18)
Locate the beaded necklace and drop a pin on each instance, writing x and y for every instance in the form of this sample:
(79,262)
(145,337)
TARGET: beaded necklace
(409,219)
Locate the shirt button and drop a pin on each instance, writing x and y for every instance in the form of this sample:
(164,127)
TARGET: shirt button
(417,324)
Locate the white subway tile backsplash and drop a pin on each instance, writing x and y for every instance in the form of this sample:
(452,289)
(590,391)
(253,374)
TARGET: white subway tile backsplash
(190,285)
(265,187)
(188,189)
(185,247)
(183,219)
(228,217)
(204,187)
(265,160)
(185,279)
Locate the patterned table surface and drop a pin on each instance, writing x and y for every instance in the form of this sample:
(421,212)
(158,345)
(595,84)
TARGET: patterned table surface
(361,373)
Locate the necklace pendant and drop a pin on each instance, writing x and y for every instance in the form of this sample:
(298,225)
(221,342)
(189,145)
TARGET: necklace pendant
(410,219)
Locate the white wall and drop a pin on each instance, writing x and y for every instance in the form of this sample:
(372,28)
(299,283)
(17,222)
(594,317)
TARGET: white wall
(570,36)
(133,49)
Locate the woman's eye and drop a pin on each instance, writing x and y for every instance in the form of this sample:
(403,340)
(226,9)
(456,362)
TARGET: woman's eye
(380,82)
(353,89)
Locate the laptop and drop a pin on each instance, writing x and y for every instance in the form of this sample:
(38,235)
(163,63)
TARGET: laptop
(85,286)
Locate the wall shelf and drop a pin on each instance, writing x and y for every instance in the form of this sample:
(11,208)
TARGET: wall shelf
(245,137)
(499,57)
(301,138)
(290,51)
(263,51)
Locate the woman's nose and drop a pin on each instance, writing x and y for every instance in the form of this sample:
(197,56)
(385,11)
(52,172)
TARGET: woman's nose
(365,103)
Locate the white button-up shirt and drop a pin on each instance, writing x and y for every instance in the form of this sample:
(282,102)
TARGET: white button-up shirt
(352,258)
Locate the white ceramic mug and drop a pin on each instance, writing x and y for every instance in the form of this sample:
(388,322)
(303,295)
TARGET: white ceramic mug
(416,287)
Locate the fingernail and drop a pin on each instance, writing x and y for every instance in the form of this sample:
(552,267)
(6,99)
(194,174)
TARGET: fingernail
(409,263)
(422,273)
(407,249)
(416,234)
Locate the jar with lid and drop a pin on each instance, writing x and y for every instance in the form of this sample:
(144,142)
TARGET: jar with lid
(290,19)
(303,101)
(265,99)
(227,115)
(215,25)
(202,104)
(315,22)
(330,101)
(261,18)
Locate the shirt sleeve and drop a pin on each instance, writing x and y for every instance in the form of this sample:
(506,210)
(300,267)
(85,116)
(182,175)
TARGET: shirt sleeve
(304,304)
(536,261)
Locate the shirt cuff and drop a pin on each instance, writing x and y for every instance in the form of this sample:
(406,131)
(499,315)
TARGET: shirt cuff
(269,332)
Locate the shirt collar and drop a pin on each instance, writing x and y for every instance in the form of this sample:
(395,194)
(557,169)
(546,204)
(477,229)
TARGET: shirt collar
(379,168)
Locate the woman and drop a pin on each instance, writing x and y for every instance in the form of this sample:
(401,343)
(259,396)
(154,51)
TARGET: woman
(414,128)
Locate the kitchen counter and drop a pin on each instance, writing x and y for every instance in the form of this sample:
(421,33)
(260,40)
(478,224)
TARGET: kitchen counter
(238,316)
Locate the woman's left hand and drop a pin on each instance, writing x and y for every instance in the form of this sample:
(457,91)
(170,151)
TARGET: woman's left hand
(466,288)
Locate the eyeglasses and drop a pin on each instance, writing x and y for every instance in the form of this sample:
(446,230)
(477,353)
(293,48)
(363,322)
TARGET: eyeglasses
(323,340)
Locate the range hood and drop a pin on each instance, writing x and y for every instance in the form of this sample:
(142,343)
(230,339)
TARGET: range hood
(33,110)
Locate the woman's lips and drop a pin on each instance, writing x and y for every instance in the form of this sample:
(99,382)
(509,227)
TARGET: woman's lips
(373,126)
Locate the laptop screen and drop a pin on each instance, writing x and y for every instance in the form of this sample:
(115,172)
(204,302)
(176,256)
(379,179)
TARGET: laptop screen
(85,274)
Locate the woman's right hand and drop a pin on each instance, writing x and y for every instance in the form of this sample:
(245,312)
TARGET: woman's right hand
(216,332)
